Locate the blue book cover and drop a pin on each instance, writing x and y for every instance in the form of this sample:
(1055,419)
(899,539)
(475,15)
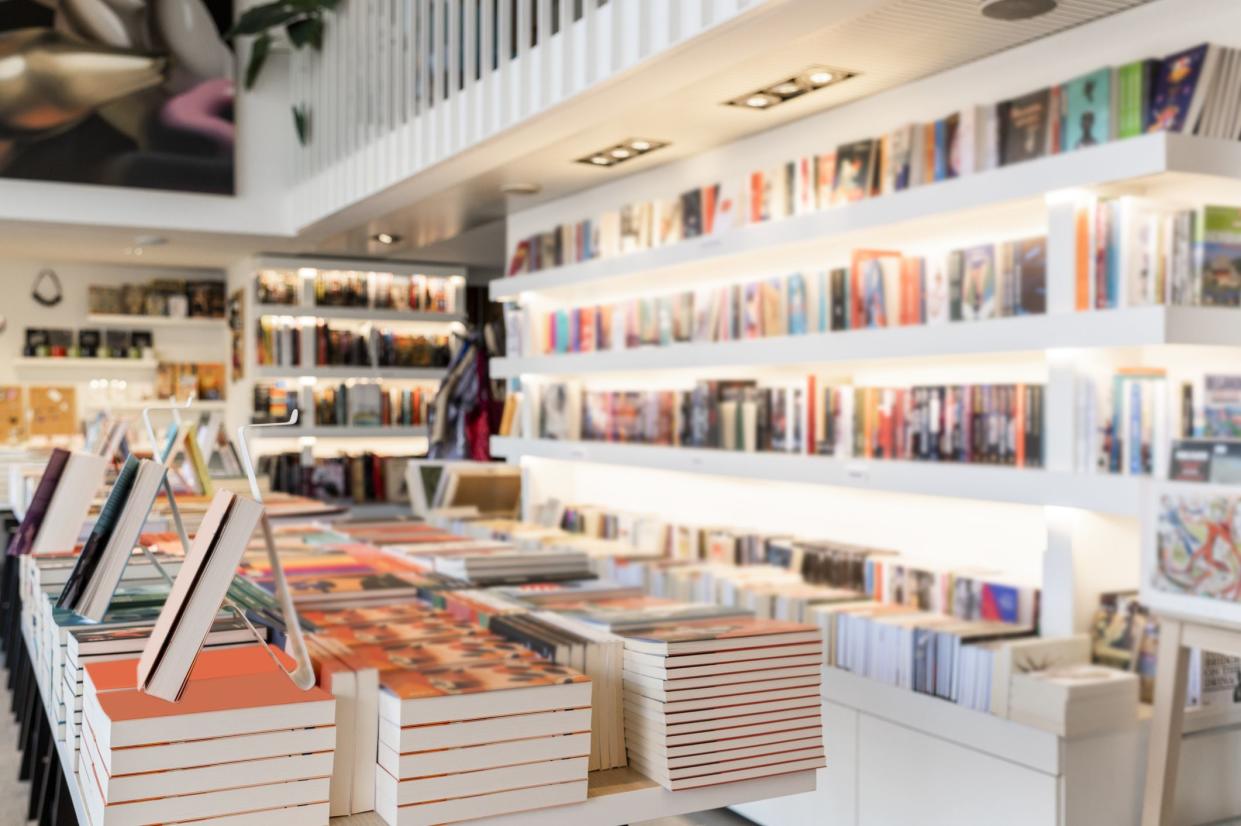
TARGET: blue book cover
(797,304)
(1000,602)
(824,301)
(1174,89)
(941,149)
(1135,428)
(1088,110)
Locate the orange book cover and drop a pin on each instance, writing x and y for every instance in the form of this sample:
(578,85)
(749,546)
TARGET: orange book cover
(375,615)
(475,679)
(212,663)
(397,632)
(811,416)
(437,653)
(928,145)
(201,696)
(756,197)
(1081,221)
(1019,424)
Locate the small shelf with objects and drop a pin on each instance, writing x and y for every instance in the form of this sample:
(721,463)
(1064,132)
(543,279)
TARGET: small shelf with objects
(357,348)
(954,367)
(118,340)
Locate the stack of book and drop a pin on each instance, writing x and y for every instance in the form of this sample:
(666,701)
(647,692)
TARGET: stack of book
(244,745)
(102,644)
(718,701)
(473,741)
(585,648)
(1074,700)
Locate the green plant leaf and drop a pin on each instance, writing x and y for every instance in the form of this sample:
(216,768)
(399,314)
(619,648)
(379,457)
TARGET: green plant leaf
(301,122)
(261,18)
(258,56)
(308,30)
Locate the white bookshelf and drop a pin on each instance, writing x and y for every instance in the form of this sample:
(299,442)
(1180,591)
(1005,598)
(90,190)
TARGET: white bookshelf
(896,756)
(1125,327)
(980,201)
(119,320)
(348,372)
(343,432)
(107,366)
(378,316)
(1104,493)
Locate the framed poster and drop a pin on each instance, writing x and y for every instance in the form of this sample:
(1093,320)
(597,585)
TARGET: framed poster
(1191,551)
(132,94)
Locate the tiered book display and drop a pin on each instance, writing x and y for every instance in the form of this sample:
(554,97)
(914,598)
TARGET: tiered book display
(852,359)
(408,695)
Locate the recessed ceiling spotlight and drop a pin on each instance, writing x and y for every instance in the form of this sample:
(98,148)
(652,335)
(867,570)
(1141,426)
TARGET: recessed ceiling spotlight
(521,188)
(385,238)
(810,79)
(626,150)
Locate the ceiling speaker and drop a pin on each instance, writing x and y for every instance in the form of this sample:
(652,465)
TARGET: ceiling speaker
(1015,9)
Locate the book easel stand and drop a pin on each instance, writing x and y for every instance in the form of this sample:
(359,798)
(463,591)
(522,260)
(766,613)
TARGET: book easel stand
(1177,635)
(303,675)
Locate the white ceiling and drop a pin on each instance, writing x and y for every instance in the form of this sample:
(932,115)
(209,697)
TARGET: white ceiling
(674,97)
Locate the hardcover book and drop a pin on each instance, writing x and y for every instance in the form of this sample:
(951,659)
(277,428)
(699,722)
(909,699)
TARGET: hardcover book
(1089,110)
(1025,124)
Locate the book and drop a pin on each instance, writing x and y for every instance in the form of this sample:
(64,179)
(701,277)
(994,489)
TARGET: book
(1180,89)
(1024,127)
(37,509)
(111,542)
(978,283)
(466,693)
(855,171)
(1134,90)
(1221,256)
(1089,110)
(196,594)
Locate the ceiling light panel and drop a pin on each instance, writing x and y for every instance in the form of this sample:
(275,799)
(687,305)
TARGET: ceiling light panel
(626,150)
(810,79)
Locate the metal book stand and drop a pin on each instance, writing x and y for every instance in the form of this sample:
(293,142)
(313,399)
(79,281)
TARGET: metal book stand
(303,675)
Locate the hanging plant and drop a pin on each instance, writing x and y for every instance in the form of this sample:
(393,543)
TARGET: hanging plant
(303,22)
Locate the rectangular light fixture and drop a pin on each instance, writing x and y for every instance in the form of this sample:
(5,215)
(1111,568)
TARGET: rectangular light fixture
(626,150)
(810,79)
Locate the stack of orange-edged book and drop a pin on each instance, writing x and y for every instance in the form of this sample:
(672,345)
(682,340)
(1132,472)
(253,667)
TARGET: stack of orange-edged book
(721,700)
(243,745)
(478,739)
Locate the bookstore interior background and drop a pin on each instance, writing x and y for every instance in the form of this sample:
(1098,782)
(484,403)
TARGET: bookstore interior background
(602,412)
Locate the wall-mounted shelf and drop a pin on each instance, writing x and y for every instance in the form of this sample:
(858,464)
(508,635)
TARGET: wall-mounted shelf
(358,313)
(1114,494)
(130,321)
(104,364)
(344,432)
(356,372)
(1129,327)
(934,208)
(138,406)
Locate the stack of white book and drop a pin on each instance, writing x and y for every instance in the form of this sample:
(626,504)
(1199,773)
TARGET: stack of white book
(509,564)
(102,644)
(719,701)
(479,741)
(1074,700)
(243,746)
